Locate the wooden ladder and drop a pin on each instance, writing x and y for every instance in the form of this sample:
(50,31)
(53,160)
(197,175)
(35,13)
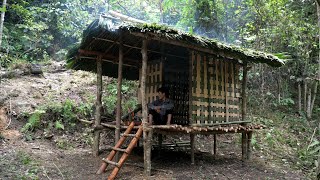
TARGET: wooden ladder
(125,152)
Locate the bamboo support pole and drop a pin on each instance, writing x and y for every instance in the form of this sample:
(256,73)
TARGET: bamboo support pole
(191,59)
(146,133)
(192,147)
(118,113)
(215,145)
(97,122)
(244,95)
(113,152)
(249,147)
(244,145)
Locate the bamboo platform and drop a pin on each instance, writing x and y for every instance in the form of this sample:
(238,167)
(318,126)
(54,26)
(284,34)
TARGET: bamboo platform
(194,129)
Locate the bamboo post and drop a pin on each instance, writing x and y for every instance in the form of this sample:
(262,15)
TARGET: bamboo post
(191,55)
(146,142)
(244,95)
(118,115)
(244,146)
(214,145)
(249,150)
(98,107)
(192,147)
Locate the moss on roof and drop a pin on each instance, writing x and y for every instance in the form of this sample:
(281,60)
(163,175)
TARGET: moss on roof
(101,26)
(173,34)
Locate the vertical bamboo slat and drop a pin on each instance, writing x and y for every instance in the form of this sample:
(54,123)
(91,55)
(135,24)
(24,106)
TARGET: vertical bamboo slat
(191,59)
(226,91)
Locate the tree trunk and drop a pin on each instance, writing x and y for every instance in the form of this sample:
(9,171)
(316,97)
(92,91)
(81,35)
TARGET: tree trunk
(318,14)
(118,115)
(305,95)
(279,89)
(299,97)
(97,122)
(314,97)
(309,104)
(4,4)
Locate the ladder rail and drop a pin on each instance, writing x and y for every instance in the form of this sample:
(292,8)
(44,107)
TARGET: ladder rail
(125,155)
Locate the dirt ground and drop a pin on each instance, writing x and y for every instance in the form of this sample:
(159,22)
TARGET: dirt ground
(47,161)
(41,158)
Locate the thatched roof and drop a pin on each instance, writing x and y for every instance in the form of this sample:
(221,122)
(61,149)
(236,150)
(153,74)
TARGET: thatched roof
(102,38)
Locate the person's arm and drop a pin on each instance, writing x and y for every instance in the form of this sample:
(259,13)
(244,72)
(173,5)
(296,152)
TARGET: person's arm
(168,105)
(169,119)
(152,106)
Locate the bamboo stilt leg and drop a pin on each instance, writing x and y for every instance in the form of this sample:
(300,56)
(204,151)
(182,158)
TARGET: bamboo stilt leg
(214,146)
(249,147)
(244,145)
(192,147)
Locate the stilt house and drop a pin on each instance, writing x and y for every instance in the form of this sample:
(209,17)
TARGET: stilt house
(203,76)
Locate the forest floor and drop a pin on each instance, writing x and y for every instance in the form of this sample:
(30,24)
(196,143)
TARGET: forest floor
(64,155)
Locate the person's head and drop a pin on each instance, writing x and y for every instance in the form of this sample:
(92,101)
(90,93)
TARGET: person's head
(163,93)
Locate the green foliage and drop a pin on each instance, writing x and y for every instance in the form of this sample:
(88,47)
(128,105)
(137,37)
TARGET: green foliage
(58,125)
(33,121)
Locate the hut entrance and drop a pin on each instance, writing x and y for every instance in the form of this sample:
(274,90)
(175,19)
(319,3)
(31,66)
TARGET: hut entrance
(172,72)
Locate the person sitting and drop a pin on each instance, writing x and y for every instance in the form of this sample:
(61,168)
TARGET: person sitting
(160,110)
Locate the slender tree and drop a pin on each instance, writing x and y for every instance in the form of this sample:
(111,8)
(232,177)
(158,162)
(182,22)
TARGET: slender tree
(3,11)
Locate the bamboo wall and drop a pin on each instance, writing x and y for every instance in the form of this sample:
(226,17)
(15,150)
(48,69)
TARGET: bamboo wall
(176,78)
(215,90)
(205,89)
(154,80)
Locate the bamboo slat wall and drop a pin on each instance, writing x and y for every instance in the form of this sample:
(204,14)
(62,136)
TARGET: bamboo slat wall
(176,78)
(154,79)
(215,90)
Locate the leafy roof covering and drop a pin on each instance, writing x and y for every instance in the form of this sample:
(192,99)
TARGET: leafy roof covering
(238,53)
(105,28)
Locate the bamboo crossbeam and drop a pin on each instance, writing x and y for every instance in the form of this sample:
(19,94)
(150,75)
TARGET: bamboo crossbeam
(107,60)
(133,47)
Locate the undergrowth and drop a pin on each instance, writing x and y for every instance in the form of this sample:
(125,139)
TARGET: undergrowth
(289,140)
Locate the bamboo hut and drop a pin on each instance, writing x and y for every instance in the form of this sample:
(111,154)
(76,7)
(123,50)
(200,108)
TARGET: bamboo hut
(201,73)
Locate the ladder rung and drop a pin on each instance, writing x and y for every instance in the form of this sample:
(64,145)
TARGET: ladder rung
(119,149)
(110,162)
(128,135)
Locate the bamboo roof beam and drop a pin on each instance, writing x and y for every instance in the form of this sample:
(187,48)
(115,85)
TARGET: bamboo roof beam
(126,45)
(153,36)
(108,56)
(108,60)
